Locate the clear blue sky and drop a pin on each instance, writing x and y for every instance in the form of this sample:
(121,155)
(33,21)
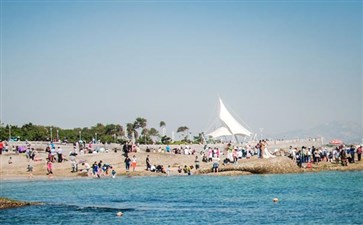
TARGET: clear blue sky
(279,65)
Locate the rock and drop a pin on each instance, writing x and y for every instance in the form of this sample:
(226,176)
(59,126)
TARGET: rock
(9,203)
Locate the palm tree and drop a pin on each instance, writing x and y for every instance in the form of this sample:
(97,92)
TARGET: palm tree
(153,133)
(162,126)
(184,131)
(130,130)
(139,123)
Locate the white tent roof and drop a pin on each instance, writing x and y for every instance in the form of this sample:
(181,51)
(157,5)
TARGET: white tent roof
(231,123)
(222,131)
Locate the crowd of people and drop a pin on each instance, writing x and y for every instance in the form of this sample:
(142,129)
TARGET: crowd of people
(340,154)
(208,156)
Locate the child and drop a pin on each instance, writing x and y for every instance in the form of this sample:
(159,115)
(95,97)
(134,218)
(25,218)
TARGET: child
(133,164)
(10,160)
(49,167)
(113,173)
(30,170)
(168,170)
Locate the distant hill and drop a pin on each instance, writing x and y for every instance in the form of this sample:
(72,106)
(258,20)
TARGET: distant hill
(348,132)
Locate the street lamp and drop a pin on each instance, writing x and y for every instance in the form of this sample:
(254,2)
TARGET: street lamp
(80,135)
(96,137)
(9,132)
(261,129)
(51,134)
(57,135)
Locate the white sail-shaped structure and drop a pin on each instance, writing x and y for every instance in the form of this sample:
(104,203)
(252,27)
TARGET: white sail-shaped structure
(230,125)
(222,131)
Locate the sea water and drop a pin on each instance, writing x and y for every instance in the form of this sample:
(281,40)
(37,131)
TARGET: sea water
(310,198)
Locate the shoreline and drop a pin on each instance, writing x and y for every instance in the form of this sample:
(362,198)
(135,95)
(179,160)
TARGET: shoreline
(229,170)
(17,170)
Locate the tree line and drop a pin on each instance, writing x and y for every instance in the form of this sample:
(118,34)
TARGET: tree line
(137,131)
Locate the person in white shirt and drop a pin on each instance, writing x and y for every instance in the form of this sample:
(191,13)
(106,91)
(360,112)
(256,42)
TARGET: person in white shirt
(60,154)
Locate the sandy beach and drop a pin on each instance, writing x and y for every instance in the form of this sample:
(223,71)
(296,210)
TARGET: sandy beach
(18,167)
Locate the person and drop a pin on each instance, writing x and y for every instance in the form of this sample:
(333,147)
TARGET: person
(53,153)
(352,153)
(187,170)
(179,169)
(133,163)
(95,169)
(49,167)
(99,166)
(168,170)
(148,165)
(127,163)
(317,157)
(28,153)
(153,168)
(74,165)
(113,173)
(263,148)
(210,154)
(215,165)
(29,169)
(32,154)
(125,150)
(167,148)
(60,155)
(86,167)
(72,156)
(343,157)
(298,158)
(359,152)
(196,161)
(10,160)
(1,147)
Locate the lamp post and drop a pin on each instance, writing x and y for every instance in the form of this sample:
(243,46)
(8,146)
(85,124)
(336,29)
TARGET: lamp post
(96,138)
(261,129)
(57,135)
(9,132)
(80,135)
(114,135)
(51,134)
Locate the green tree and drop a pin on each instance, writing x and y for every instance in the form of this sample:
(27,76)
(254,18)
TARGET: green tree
(199,139)
(183,130)
(165,140)
(153,133)
(139,123)
(130,130)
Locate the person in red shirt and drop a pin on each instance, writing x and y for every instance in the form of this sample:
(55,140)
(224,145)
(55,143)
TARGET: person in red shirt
(1,147)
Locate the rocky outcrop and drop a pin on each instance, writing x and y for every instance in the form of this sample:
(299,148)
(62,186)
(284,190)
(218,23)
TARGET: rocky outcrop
(276,165)
(9,203)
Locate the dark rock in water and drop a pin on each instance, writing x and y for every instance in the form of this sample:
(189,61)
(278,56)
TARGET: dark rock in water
(6,203)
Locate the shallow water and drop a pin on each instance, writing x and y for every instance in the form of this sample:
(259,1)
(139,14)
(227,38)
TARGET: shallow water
(311,198)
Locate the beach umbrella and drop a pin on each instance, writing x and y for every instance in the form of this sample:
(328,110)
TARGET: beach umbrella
(336,142)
